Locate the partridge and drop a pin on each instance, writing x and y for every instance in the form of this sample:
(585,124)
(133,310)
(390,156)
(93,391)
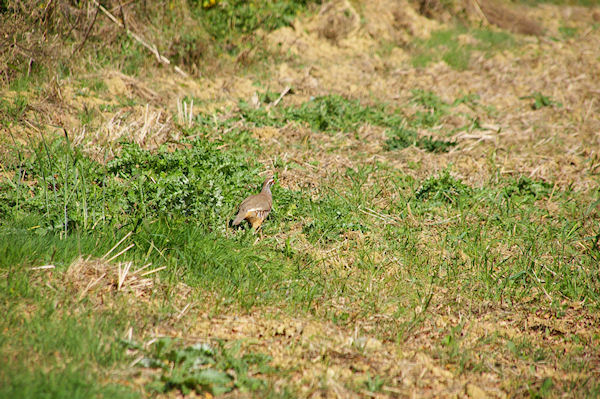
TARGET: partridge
(257,207)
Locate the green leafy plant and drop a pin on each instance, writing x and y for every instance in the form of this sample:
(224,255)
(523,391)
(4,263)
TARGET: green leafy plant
(403,137)
(202,367)
(442,187)
(400,137)
(198,180)
(73,191)
(222,18)
(330,113)
(540,101)
(374,384)
(527,188)
(430,144)
(336,113)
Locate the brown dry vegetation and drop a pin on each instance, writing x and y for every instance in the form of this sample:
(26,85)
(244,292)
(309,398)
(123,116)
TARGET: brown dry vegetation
(342,49)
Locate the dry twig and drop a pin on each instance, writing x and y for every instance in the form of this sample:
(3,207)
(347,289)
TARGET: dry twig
(161,58)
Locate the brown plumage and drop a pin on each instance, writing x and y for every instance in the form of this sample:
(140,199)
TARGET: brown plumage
(257,207)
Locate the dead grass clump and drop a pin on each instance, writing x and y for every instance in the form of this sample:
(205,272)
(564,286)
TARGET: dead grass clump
(96,278)
(435,9)
(121,84)
(492,12)
(396,22)
(34,34)
(337,20)
(147,126)
(501,16)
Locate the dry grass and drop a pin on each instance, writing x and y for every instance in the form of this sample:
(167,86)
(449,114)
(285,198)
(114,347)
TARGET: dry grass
(552,143)
(322,359)
(97,278)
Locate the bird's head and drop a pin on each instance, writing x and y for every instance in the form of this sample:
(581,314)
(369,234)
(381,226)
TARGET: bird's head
(269,181)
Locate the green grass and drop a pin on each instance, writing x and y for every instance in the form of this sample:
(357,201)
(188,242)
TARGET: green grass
(334,113)
(491,41)
(25,78)
(68,382)
(178,204)
(179,220)
(442,44)
(94,84)
(12,109)
(365,246)
(50,352)
(541,101)
(380,240)
(331,113)
(445,45)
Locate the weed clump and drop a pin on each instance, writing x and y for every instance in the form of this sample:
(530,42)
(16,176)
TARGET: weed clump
(400,138)
(540,101)
(12,110)
(198,180)
(435,108)
(443,188)
(215,369)
(73,191)
(330,113)
(430,144)
(527,188)
(223,18)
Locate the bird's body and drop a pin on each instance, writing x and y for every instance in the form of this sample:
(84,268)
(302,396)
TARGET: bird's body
(257,207)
